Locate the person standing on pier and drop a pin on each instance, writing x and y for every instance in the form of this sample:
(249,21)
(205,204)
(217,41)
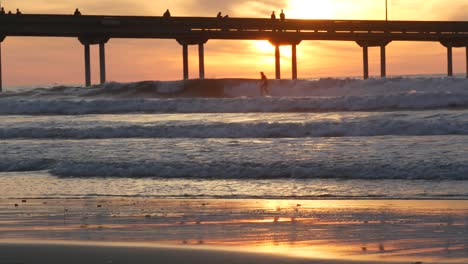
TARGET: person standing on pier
(220,15)
(273,19)
(264,85)
(167,14)
(77,12)
(273,16)
(2,11)
(282,16)
(18,12)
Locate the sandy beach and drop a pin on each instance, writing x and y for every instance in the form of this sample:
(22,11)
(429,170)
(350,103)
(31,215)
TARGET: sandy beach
(139,230)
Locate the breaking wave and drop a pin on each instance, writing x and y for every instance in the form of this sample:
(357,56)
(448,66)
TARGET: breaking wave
(380,124)
(244,170)
(241,96)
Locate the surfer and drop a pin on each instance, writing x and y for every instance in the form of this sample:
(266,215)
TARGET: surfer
(264,85)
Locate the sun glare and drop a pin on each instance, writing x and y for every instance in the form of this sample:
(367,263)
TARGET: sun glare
(311,9)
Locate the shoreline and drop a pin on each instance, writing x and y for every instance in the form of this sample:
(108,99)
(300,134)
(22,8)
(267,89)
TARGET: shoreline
(72,252)
(343,230)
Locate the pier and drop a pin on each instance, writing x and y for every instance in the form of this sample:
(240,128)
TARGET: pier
(98,30)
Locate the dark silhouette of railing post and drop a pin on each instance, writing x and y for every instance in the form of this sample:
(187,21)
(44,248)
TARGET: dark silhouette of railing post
(87,41)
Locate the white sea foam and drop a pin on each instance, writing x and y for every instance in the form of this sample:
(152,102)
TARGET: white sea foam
(422,123)
(217,96)
(431,158)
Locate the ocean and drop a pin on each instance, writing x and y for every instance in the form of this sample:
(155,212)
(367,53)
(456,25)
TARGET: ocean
(393,138)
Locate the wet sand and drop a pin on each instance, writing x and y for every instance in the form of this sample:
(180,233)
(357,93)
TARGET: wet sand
(16,253)
(205,230)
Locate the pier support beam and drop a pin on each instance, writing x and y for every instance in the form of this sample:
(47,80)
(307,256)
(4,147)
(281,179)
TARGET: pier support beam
(365,58)
(383,62)
(278,41)
(87,61)
(185,61)
(185,42)
(277,63)
(366,44)
(201,60)
(449,61)
(102,61)
(294,61)
(87,41)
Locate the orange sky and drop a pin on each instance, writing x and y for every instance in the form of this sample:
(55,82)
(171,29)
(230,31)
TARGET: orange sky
(45,61)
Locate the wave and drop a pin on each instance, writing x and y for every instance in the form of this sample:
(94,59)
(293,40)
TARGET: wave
(240,96)
(378,125)
(244,170)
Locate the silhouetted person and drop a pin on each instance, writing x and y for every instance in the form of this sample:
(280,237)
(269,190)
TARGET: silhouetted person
(167,13)
(273,16)
(2,11)
(264,84)
(282,16)
(219,15)
(9,12)
(18,12)
(77,12)
(226,16)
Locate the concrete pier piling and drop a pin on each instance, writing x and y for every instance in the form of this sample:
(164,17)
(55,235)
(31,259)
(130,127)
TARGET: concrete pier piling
(1,74)
(366,44)
(185,61)
(449,62)
(294,61)
(2,38)
(281,41)
(383,61)
(87,62)
(87,42)
(185,42)
(201,60)
(365,58)
(466,60)
(277,63)
(102,61)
